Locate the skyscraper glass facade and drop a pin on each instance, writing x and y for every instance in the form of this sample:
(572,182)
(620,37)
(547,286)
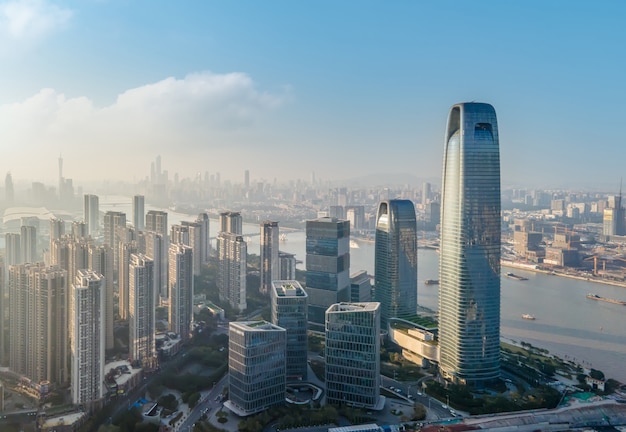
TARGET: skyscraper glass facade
(327,266)
(353,354)
(395,265)
(469,266)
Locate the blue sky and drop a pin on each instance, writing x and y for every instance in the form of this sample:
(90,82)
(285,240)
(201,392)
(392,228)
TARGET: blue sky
(284,88)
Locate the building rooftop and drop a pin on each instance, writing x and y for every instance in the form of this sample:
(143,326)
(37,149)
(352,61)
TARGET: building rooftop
(63,420)
(288,288)
(355,307)
(125,371)
(255,325)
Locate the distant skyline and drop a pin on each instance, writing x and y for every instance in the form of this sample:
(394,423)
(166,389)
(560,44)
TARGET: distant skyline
(342,89)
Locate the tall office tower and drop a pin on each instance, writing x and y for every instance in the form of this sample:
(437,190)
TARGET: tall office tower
(180,289)
(395,262)
(426,193)
(194,239)
(231,222)
(287,266)
(91,213)
(38,323)
(141,314)
(100,260)
(232,264)
(353,355)
(12,249)
(469,263)
(360,287)
(256,367)
(87,337)
(28,240)
(4,314)
(205,242)
(79,229)
(327,267)
(9,193)
(246,180)
(270,270)
(138,212)
(289,311)
(123,276)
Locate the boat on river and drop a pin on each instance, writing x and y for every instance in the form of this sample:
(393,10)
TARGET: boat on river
(431,282)
(528,317)
(604,299)
(516,277)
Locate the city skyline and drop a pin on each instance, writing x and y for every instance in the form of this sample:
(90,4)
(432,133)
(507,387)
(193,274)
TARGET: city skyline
(196,84)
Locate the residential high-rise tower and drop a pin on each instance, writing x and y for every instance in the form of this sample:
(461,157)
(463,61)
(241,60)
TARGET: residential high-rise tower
(269,255)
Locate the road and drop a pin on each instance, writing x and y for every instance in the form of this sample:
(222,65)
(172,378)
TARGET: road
(209,403)
(435,407)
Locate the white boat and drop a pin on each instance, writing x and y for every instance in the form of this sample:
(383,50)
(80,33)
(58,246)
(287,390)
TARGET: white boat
(282,237)
(354,244)
(528,317)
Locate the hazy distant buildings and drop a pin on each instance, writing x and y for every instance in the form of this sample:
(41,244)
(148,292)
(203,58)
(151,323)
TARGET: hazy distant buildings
(356,216)
(353,355)
(269,255)
(289,311)
(204,251)
(395,262)
(256,367)
(469,269)
(87,338)
(180,309)
(426,193)
(91,213)
(141,314)
(327,266)
(9,192)
(138,212)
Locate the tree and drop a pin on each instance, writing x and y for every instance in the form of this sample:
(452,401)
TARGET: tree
(419,411)
(169,402)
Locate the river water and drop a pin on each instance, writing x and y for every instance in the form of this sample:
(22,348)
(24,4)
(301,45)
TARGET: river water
(567,323)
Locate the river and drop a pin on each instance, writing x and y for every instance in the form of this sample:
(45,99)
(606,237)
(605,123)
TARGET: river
(567,323)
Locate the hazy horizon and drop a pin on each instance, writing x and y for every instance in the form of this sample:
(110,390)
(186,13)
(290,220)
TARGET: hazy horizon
(283,89)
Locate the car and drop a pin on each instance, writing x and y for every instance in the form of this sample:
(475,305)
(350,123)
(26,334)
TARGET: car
(444,406)
(410,396)
(392,388)
(420,394)
(398,390)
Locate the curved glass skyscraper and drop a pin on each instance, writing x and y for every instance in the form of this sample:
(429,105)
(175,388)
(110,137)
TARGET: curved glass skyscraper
(395,265)
(469,265)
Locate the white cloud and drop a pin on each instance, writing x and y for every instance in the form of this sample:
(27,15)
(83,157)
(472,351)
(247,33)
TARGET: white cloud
(31,19)
(201,112)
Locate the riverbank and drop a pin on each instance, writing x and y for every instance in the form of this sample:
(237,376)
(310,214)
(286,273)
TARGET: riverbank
(595,279)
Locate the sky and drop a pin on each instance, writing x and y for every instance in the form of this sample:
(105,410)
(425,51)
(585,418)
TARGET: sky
(285,88)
